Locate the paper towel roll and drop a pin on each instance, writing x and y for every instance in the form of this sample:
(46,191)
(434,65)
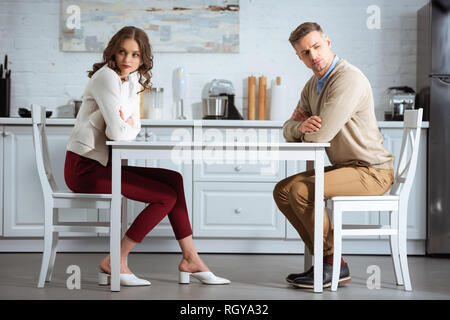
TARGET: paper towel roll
(279,111)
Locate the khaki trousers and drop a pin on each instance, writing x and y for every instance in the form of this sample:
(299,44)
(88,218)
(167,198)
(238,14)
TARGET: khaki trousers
(294,196)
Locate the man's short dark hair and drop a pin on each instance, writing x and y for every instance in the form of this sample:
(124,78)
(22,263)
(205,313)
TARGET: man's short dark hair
(302,30)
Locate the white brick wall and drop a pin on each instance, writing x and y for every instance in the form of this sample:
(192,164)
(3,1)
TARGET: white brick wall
(41,73)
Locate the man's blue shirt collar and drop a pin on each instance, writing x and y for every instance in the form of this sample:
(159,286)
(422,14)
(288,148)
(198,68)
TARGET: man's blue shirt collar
(321,82)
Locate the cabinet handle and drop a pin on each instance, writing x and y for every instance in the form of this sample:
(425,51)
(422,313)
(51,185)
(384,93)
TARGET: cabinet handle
(6,134)
(238,210)
(238,168)
(149,134)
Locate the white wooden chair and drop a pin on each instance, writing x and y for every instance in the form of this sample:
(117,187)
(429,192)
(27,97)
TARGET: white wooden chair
(396,203)
(55,198)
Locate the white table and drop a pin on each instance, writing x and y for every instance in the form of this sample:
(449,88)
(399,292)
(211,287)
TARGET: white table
(198,152)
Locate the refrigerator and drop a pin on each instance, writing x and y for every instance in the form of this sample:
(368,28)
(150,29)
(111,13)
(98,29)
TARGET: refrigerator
(433,93)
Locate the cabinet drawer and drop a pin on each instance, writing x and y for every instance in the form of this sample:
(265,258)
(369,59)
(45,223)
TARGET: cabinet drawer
(236,210)
(232,165)
(168,134)
(272,171)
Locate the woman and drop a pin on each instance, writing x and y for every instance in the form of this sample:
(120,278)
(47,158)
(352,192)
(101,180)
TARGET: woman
(110,111)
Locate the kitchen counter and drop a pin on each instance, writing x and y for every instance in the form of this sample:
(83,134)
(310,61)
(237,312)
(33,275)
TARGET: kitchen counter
(190,123)
(243,219)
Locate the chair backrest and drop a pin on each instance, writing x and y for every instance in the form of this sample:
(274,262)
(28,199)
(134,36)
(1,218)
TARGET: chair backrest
(407,165)
(41,151)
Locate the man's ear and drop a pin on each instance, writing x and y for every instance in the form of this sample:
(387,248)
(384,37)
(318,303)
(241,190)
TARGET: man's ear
(327,39)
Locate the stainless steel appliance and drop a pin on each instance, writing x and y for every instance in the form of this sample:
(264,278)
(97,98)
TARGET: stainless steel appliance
(433,87)
(219,102)
(400,100)
(215,107)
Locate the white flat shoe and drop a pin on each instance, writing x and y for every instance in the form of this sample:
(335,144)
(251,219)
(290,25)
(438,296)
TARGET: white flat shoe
(126,279)
(206,277)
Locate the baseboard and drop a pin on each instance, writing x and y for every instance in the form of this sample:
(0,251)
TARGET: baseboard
(271,246)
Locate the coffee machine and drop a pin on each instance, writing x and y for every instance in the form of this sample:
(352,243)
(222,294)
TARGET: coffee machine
(219,101)
(400,100)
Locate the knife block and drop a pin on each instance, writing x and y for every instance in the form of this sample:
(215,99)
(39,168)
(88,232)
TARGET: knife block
(5,97)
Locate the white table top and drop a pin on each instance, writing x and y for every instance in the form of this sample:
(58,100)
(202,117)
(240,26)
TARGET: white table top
(168,144)
(53,121)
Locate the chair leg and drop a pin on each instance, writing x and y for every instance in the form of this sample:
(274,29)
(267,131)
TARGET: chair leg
(403,255)
(337,244)
(48,243)
(54,245)
(393,242)
(52,256)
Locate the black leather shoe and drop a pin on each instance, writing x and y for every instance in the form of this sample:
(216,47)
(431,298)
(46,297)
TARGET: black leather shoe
(308,281)
(290,278)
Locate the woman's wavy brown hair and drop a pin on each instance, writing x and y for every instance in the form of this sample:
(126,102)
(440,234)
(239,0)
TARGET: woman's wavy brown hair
(141,38)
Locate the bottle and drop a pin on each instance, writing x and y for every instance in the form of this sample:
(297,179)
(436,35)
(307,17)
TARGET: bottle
(279,110)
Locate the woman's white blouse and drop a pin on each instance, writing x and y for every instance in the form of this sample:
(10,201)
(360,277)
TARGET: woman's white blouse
(111,95)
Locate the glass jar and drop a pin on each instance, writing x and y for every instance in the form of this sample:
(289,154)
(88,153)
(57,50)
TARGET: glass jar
(154,104)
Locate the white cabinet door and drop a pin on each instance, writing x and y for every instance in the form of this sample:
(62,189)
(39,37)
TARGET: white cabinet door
(23,199)
(236,209)
(163,229)
(294,167)
(357,217)
(133,207)
(416,222)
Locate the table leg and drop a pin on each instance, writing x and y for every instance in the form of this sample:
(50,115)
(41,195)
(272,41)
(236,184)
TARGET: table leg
(115,223)
(318,220)
(307,257)
(124,219)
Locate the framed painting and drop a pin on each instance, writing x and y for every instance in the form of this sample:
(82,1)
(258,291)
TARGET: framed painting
(172,25)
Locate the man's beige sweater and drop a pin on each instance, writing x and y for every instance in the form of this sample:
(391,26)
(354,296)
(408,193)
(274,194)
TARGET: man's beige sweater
(346,108)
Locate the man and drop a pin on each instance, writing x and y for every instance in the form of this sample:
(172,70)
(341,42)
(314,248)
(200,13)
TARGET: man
(336,106)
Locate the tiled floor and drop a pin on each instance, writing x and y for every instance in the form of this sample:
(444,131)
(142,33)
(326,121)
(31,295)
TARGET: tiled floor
(254,277)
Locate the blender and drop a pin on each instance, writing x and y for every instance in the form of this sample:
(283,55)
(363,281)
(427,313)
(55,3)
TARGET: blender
(180,91)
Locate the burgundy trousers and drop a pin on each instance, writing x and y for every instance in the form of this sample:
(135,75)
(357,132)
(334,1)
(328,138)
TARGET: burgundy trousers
(161,188)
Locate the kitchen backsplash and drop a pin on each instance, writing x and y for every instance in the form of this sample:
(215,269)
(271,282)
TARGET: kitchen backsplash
(41,73)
